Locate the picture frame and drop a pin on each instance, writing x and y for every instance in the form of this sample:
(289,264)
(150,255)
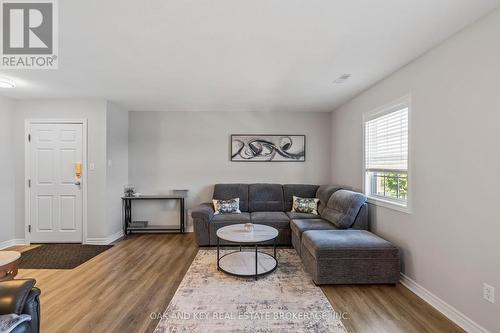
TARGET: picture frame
(267,148)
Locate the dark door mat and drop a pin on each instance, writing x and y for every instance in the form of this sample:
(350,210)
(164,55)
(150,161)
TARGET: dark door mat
(60,256)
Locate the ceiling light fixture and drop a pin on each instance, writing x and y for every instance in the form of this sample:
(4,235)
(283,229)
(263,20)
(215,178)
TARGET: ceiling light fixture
(7,83)
(343,78)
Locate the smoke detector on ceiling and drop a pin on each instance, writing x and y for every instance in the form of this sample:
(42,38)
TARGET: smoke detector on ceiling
(343,78)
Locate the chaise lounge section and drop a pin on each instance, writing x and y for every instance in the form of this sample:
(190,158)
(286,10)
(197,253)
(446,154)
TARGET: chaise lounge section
(349,257)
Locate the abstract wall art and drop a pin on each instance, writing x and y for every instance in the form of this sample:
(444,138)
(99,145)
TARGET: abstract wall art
(268,148)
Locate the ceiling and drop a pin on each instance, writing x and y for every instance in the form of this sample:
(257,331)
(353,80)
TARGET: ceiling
(237,55)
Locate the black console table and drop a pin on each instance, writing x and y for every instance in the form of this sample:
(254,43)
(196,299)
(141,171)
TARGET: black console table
(127,213)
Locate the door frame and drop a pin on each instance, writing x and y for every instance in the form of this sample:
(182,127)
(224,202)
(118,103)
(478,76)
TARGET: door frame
(27,171)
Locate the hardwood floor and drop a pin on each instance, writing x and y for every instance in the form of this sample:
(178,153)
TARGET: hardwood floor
(119,289)
(385,308)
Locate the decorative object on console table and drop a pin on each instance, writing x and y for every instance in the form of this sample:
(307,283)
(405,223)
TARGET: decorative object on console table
(268,148)
(128,225)
(129,190)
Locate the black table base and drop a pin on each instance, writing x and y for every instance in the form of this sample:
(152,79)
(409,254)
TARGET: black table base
(127,213)
(256,245)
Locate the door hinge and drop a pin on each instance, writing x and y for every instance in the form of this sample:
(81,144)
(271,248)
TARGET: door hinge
(29,137)
(29,182)
(29,228)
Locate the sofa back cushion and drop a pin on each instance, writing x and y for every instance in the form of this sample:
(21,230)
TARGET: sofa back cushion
(231,191)
(298,190)
(265,197)
(343,207)
(324,193)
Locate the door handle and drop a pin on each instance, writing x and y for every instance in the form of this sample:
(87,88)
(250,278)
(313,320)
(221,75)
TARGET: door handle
(78,173)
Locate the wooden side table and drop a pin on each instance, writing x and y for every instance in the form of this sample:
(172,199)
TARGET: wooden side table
(9,261)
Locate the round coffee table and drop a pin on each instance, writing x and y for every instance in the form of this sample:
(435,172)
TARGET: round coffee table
(247,263)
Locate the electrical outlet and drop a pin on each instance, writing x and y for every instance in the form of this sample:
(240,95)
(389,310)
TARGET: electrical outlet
(489,293)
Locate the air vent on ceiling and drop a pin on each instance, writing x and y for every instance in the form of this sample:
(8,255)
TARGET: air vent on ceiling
(343,78)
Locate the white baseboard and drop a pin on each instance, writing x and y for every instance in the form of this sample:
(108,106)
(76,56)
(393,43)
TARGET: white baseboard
(91,241)
(105,240)
(449,311)
(12,242)
(115,236)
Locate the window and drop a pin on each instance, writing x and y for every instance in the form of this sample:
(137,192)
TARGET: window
(386,154)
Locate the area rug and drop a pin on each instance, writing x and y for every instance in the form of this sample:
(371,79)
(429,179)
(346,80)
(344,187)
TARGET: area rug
(283,301)
(60,256)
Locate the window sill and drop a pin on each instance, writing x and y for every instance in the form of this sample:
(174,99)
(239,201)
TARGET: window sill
(376,201)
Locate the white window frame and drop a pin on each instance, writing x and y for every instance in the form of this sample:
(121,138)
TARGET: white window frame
(403,102)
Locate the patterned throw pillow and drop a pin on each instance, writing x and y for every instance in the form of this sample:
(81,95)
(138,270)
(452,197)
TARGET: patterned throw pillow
(227,206)
(305,205)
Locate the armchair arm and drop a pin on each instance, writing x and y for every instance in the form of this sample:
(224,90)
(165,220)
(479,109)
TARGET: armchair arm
(32,308)
(13,295)
(204,211)
(202,215)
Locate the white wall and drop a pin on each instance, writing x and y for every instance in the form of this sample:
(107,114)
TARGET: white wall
(450,241)
(190,150)
(95,113)
(6,171)
(117,167)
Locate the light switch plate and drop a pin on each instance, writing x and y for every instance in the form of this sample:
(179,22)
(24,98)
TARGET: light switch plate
(91,166)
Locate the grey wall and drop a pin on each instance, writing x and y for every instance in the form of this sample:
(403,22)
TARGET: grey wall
(6,170)
(117,164)
(450,241)
(190,150)
(95,113)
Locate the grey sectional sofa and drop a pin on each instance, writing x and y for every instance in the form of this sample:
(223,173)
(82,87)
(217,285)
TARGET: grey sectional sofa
(271,204)
(334,246)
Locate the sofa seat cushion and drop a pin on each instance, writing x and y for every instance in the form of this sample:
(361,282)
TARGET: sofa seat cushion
(347,244)
(276,219)
(301,216)
(302,225)
(265,198)
(232,217)
(343,207)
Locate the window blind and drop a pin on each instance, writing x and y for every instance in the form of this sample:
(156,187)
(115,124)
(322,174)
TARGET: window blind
(386,142)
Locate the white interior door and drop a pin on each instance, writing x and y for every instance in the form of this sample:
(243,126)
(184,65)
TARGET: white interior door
(55,195)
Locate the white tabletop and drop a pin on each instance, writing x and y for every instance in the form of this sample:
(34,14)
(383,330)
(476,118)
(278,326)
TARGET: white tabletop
(6,257)
(236,233)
